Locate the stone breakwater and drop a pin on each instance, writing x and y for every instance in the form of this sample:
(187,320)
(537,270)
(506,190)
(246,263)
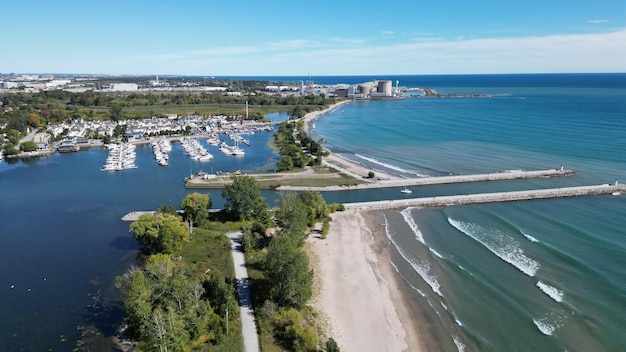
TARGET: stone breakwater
(444,201)
(422,181)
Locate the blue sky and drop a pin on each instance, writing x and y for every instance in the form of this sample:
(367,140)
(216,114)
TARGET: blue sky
(240,38)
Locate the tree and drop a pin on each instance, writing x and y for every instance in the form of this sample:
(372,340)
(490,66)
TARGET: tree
(292,218)
(115,112)
(287,270)
(196,207)
(243,198)
(315,205)
(28,146)
(331,345)
(165,305)
(161,233)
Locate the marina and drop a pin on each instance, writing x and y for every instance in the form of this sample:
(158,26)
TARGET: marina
(195,150)
(161,147)
(121,157)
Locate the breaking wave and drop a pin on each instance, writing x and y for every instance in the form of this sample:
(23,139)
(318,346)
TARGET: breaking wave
(503,246)
(423,269)
(406,214)
(552,292)
(389,166)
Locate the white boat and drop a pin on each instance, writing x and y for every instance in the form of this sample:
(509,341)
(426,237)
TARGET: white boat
(406,191)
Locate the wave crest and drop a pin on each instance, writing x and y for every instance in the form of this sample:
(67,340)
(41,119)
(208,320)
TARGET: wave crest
(503,246)
(552,292)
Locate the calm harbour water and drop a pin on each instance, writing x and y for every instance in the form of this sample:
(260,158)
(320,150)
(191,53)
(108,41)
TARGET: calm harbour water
(539,275)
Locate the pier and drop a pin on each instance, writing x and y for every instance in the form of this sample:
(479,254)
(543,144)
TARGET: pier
(444,201)
(438,180)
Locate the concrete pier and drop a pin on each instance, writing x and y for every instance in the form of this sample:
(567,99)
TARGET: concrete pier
(437,180)
(445,201)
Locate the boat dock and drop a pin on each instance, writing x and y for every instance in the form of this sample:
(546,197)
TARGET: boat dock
(438,180)
(444,201)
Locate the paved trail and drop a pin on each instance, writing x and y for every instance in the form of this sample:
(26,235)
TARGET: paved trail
(248,324)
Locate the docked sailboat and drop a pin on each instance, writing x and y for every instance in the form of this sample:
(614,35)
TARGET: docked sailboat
(121,157)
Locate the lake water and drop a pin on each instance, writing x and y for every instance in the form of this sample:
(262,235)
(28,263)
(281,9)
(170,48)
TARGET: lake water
(526,276)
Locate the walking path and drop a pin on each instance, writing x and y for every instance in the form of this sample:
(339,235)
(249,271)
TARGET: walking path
(443,201)
(437,180)
(248,324)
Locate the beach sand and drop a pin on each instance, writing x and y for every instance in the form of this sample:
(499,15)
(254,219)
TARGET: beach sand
(358,290)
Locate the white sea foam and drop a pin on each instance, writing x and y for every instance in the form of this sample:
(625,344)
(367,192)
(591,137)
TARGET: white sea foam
(459,345)
(505,247)
(413,287)
(552,292)
(389,166)
(457,321)
(443,305)
(435,253)
(423,269)
(550,323)
(530,238)
(546,329)
(406,214)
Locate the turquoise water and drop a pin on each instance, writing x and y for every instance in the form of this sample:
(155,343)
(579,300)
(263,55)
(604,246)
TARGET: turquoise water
(473,270)
(544,275)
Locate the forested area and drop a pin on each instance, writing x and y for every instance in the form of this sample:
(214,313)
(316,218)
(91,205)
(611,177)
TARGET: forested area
(296,148)
(173,302)
(37,110)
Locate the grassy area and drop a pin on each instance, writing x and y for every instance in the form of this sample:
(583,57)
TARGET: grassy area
(325,177)
(209,251)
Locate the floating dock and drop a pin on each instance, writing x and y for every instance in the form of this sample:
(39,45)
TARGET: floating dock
(444,201)
(438,180)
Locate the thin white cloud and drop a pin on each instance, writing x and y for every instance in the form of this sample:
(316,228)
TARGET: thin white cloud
(387,32)
(597,21)
(347,40)
(595,52)
(556,53)
(292,44)
(225,51)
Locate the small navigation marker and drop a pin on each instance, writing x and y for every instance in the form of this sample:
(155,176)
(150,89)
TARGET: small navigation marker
(12,286)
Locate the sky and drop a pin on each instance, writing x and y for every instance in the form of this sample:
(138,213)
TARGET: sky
(321,37)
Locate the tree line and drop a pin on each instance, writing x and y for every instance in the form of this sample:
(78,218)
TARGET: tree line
(297,149)
(170,305)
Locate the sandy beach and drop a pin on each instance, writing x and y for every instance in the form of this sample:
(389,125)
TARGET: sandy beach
(358,291)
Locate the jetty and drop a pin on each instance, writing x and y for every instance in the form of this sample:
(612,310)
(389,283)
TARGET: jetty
(444,201)
(438,180)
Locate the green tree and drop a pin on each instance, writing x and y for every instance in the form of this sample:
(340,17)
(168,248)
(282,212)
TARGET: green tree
(166,209)
(196,207)
(284,164)
(14,136)
(315,205)
(165,305)
(292,218)
(287,270)
(243,199)
(161,233)
(332,346)
(115,112)
(28,146)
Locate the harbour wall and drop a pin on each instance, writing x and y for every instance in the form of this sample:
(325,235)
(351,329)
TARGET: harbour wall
(445,201)
(436,180)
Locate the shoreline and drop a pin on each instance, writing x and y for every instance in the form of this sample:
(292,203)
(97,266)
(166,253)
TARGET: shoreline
(359,292)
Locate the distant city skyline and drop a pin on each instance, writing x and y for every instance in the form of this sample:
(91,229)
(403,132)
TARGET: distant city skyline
(278,38)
